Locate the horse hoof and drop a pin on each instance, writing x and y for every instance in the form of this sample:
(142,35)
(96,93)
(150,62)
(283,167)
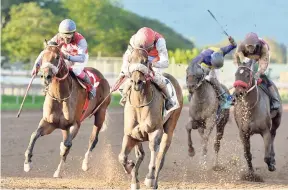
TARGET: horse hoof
(191,152)
(129,166)
(271,168)
(149,182)
(84,166)
(27,167)
(56,174)
(135,186)
(218,168)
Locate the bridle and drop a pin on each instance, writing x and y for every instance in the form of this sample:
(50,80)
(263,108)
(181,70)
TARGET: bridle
(249,84)
(60,65)
(148,75)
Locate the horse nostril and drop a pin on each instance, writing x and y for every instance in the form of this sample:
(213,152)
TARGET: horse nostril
(41,76)
(49,77)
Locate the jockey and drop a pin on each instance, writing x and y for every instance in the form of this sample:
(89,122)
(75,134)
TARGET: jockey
(257,49)
(155,44)
(75,52)
(211,59)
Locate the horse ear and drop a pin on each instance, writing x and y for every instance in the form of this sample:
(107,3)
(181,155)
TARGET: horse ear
(45,43)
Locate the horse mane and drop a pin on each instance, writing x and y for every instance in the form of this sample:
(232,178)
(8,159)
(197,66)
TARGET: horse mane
(53,49)
(138,56)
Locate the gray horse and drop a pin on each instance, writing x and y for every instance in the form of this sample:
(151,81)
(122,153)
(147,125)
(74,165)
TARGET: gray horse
(253,116)
(203,108)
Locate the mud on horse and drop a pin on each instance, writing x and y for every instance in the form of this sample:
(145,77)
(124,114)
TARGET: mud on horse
(63,106)
(203,116)
(253,116)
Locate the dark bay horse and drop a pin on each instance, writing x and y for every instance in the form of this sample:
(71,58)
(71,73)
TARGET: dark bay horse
(143,121)
(253,116)
(63,106)
(203,108)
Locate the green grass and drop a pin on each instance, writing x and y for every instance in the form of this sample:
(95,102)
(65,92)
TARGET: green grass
(10,102)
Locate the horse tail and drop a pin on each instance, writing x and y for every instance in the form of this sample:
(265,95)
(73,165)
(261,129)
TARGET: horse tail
(106,122)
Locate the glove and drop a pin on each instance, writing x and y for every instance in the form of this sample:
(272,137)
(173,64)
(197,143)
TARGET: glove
(35,70)
(231,40)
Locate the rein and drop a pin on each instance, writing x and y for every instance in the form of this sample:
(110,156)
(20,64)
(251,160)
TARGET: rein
(61,64)
(249,85)
(146,104)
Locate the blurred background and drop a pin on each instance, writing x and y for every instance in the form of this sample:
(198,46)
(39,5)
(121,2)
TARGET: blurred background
(108,25)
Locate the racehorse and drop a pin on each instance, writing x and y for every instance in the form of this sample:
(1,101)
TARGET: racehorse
(143,121)
(66,105)
(253,116)
(203,108)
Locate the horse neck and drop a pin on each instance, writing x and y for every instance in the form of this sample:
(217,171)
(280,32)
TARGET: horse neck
(200,92)
(252,97)
(143,96)
(61,88)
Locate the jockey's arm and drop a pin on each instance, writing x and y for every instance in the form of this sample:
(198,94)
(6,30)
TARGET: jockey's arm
(264,60)
(82,55)
(239,56)
(199,59)
(163,61)
(125,64)
(228,49)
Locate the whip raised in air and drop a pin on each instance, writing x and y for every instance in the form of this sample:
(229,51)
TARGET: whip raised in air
(218,23)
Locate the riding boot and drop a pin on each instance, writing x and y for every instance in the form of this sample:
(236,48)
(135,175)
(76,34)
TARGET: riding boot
(226,99)
(170,103)
(126,88)
(92,92)
(275,103)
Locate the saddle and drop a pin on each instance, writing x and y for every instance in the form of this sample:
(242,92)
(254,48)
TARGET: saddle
(94,79)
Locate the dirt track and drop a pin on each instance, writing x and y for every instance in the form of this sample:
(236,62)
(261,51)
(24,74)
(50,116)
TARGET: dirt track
(180,171)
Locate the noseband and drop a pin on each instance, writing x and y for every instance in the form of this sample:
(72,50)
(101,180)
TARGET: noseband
(60,65)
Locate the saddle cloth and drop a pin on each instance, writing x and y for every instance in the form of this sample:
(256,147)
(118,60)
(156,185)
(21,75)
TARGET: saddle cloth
(172,92)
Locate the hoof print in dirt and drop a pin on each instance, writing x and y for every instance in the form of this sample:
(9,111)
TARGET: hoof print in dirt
(251,176)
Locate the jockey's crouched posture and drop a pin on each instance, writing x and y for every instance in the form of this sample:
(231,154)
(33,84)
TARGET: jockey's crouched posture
(155,45)
(75,52)
(211,59)
(257,49)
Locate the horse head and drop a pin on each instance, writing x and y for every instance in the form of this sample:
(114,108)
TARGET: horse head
(139,69)
(194,77)
(52,62)
(244,77)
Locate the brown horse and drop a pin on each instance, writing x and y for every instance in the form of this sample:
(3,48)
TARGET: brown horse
(63,106)
(253,116)
(143,121)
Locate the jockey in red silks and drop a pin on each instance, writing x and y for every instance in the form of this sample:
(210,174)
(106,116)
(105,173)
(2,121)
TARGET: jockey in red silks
(75,52)
(257,49)
(155,44)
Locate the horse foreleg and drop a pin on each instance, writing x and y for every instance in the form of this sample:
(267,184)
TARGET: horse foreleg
(99,119)
(127,145)
(164,146)
(245,138)
(219,136)
(205,133)
(139,152)
(44,128)
(68,135)
(154,142)
(275,124)
(191,150)
(268,146)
